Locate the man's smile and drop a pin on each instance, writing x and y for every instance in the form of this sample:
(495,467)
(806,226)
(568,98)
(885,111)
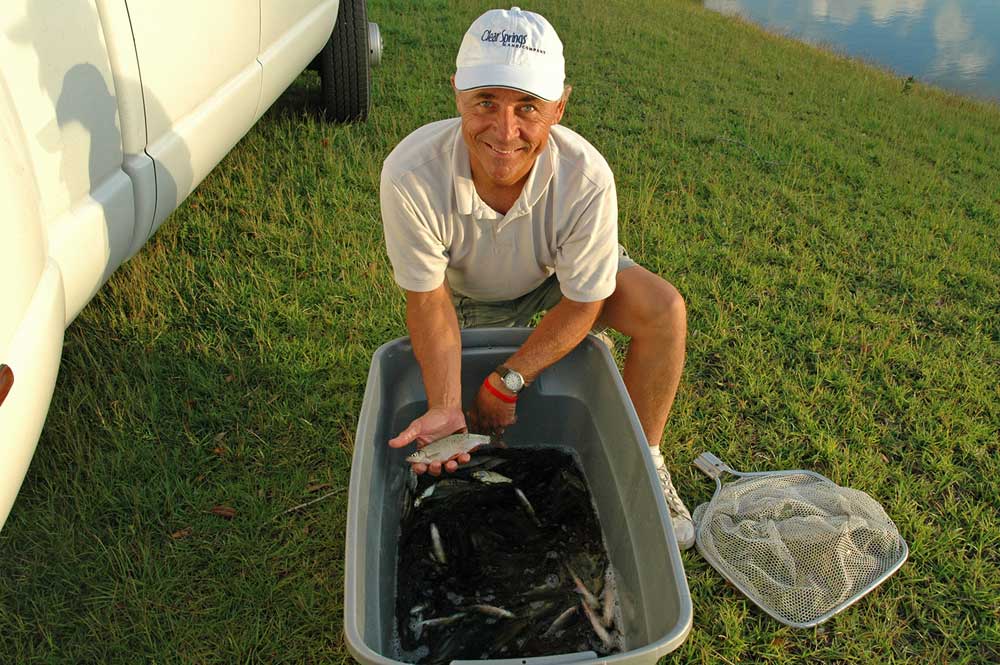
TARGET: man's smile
(501,151)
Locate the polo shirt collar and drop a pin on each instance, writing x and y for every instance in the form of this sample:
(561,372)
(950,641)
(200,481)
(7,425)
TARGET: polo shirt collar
(538,178)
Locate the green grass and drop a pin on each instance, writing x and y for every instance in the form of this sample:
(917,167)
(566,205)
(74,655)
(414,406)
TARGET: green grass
(834,232)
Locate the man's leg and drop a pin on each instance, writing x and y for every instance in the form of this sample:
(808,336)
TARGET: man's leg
(652,313)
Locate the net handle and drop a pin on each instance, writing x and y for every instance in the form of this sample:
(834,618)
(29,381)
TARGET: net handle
(712,466)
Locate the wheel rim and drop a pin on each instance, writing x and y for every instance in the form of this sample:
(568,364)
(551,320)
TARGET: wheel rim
(374,45)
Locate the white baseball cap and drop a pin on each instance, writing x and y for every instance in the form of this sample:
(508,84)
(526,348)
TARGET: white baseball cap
(512,49)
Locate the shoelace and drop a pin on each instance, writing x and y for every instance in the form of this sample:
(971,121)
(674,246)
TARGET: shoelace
(673,500)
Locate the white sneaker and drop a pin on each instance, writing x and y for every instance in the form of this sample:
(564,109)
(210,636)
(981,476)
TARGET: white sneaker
(679,515)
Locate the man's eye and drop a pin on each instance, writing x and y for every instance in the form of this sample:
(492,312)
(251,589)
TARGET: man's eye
(528,108)
(485,103)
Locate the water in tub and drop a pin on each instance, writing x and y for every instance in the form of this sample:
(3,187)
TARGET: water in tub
(503,559)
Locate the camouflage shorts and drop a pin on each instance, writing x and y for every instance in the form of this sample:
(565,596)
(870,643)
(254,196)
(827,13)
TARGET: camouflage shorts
(520,311)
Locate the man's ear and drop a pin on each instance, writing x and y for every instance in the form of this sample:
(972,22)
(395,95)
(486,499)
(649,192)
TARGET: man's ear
(561,108)
(455,90)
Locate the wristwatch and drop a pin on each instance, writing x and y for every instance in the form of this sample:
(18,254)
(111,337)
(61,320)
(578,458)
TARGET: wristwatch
(512,379)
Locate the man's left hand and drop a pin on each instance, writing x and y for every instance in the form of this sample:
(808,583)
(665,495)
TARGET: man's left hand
(490,414)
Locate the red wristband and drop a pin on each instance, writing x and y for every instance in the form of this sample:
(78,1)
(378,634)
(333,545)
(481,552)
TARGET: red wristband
(497,393)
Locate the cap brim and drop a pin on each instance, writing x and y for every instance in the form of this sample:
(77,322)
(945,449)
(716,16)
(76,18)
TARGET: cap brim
(540,84)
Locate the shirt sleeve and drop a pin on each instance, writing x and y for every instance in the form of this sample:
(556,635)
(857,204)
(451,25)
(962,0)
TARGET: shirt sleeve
(587,261)
(419,258)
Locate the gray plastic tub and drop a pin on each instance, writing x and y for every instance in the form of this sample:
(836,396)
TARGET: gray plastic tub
(580,401)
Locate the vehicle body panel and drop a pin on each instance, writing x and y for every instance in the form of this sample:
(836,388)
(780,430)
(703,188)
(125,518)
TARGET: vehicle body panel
(111,113)
(55,57)
(33,310)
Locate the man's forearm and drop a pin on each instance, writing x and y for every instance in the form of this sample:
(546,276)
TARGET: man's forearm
(437,345)
(558,333)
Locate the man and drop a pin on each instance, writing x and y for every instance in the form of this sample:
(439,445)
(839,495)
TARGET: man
(502,213)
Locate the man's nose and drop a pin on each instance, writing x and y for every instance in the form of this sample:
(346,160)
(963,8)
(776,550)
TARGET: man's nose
(507,124)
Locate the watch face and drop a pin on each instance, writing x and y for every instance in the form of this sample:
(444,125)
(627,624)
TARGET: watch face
(513,380)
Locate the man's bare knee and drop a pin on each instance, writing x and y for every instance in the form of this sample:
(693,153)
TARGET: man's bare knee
(668,314)
(674,307)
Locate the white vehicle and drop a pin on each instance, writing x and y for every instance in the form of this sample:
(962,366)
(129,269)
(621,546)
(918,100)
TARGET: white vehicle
(111,113)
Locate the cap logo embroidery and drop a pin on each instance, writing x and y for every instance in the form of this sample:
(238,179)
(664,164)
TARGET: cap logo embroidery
(511,39)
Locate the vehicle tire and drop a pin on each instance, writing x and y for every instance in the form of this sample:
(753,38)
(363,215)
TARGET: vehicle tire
(344,69)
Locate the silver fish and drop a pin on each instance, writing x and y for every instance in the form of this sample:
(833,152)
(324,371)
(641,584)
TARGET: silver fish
(493,611)
(440,621)
(420,499)
(438,547)
(581,588)
(444,449)
(595,623)
(560,621)
(491,478)
(527,506)
(608,598)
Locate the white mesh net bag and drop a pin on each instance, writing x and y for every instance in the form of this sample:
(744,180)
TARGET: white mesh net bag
(797,544)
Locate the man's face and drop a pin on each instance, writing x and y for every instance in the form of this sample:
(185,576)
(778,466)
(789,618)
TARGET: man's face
(505,131)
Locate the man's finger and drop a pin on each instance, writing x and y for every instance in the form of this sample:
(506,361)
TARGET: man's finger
(464,458)
(405,437)
(451,465)
(419,469)
(435,468)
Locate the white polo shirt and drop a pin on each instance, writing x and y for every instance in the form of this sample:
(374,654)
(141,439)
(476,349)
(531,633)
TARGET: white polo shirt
(436,226)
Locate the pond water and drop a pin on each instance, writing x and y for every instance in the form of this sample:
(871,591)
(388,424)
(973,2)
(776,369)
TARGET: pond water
(954,44)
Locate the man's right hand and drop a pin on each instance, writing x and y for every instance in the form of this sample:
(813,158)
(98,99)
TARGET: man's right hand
(436,424)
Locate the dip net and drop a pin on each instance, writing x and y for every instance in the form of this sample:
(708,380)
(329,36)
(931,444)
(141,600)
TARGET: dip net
(797,544)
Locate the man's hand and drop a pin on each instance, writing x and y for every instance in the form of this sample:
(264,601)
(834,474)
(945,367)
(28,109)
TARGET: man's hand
(436,424)
(490,414)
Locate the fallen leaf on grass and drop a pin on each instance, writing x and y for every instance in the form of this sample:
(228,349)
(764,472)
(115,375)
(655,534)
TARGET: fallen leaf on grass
(223,511)
(182,533)
(219,450)
(316,486)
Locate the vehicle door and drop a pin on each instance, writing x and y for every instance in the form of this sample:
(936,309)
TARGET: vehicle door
(201,85)
(56,67)
(65,205)
(292,32)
